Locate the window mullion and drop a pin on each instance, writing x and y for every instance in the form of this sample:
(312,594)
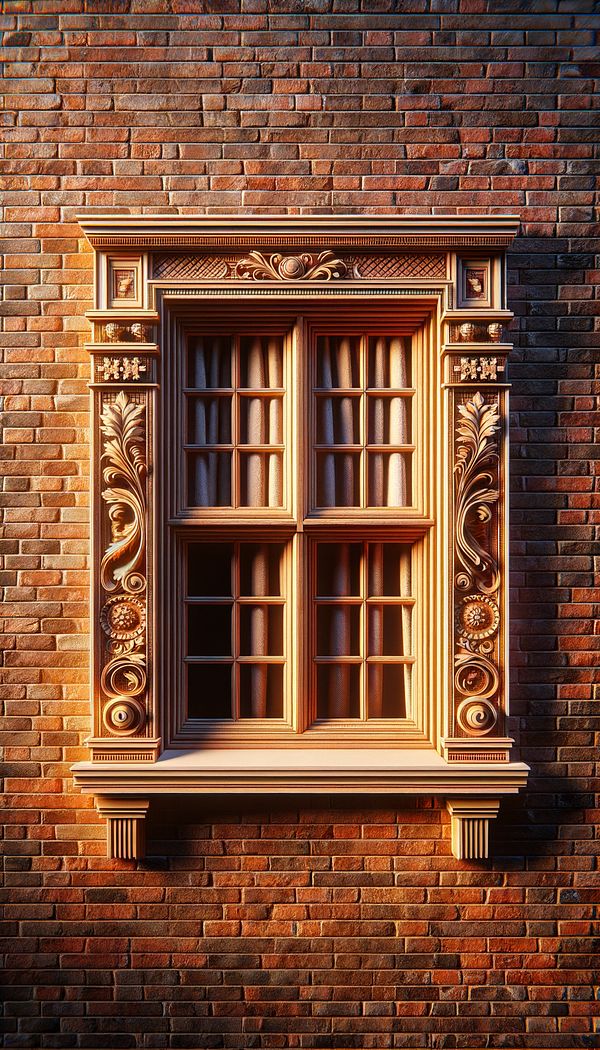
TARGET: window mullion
(298,601)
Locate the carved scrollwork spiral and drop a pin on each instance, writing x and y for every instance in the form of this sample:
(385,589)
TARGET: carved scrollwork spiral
(125,675)
(476,717)
(124,715)
(475,674)
(277,267)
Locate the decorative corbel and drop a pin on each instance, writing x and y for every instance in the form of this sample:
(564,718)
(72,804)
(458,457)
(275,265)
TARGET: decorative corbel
(470,823)
(125,826)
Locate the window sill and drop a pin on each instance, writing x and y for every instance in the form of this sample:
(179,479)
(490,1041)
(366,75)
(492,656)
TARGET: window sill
(229,771)
(472,790)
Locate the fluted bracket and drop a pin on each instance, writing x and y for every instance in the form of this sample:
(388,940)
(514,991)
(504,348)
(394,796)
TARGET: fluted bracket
(470,822)
(125,826)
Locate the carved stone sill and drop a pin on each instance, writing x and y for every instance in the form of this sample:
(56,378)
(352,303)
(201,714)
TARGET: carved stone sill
(310,771)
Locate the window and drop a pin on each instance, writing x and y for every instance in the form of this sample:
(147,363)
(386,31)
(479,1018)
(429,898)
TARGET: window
(299,523)
(292,449)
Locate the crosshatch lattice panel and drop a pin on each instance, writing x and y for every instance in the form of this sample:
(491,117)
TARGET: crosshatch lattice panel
(190,267)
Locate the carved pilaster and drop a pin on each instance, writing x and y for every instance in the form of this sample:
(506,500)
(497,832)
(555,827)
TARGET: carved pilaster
(478,567)
(124,717)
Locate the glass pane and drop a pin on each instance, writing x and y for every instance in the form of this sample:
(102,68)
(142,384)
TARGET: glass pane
(261,420)
(389,420)
(209,362)
(261,569)
(338,691)
(389,362)
(209,570)
(209,630)
(261,691)
(338,630)
(261,479)
(209,479)
(338,421)
(387,624)
(389,479)
(261,361)
(261,630)
(338,477)
(338,361)
(209,421)
(209,690)
(338,569)
(388,690)
(390,570)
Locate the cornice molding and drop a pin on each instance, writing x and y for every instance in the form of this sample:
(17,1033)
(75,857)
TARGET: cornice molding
(293,231)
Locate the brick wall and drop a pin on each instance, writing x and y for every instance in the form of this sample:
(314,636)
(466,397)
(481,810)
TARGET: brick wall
(295,923)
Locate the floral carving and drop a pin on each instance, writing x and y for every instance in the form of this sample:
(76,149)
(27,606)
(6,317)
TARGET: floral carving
(476,677)
(122,569)
(478,617)
(257,267)
(484,367)
(126,368)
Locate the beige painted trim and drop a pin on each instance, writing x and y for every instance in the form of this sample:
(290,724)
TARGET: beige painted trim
(276,262)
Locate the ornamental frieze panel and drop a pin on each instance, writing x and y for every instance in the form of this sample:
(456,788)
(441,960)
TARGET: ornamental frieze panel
(477,580)
(300,266)
(134,332)
(467,369)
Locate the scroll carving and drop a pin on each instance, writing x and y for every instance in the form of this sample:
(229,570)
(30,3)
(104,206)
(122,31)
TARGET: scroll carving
(305,267)
(123,564)
(477,577)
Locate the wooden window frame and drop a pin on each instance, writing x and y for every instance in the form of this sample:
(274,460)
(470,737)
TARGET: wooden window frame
(412,271)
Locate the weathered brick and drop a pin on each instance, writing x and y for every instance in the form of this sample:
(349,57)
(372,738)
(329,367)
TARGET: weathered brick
(326,923)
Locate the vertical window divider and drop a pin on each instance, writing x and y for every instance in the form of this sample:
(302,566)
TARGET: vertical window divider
(363,377)
(235,668)
(298,377)
(364,629)
(236,467)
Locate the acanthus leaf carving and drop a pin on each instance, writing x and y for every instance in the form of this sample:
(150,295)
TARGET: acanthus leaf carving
(124,473)
(476,490)
(305,267)
(477,581)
